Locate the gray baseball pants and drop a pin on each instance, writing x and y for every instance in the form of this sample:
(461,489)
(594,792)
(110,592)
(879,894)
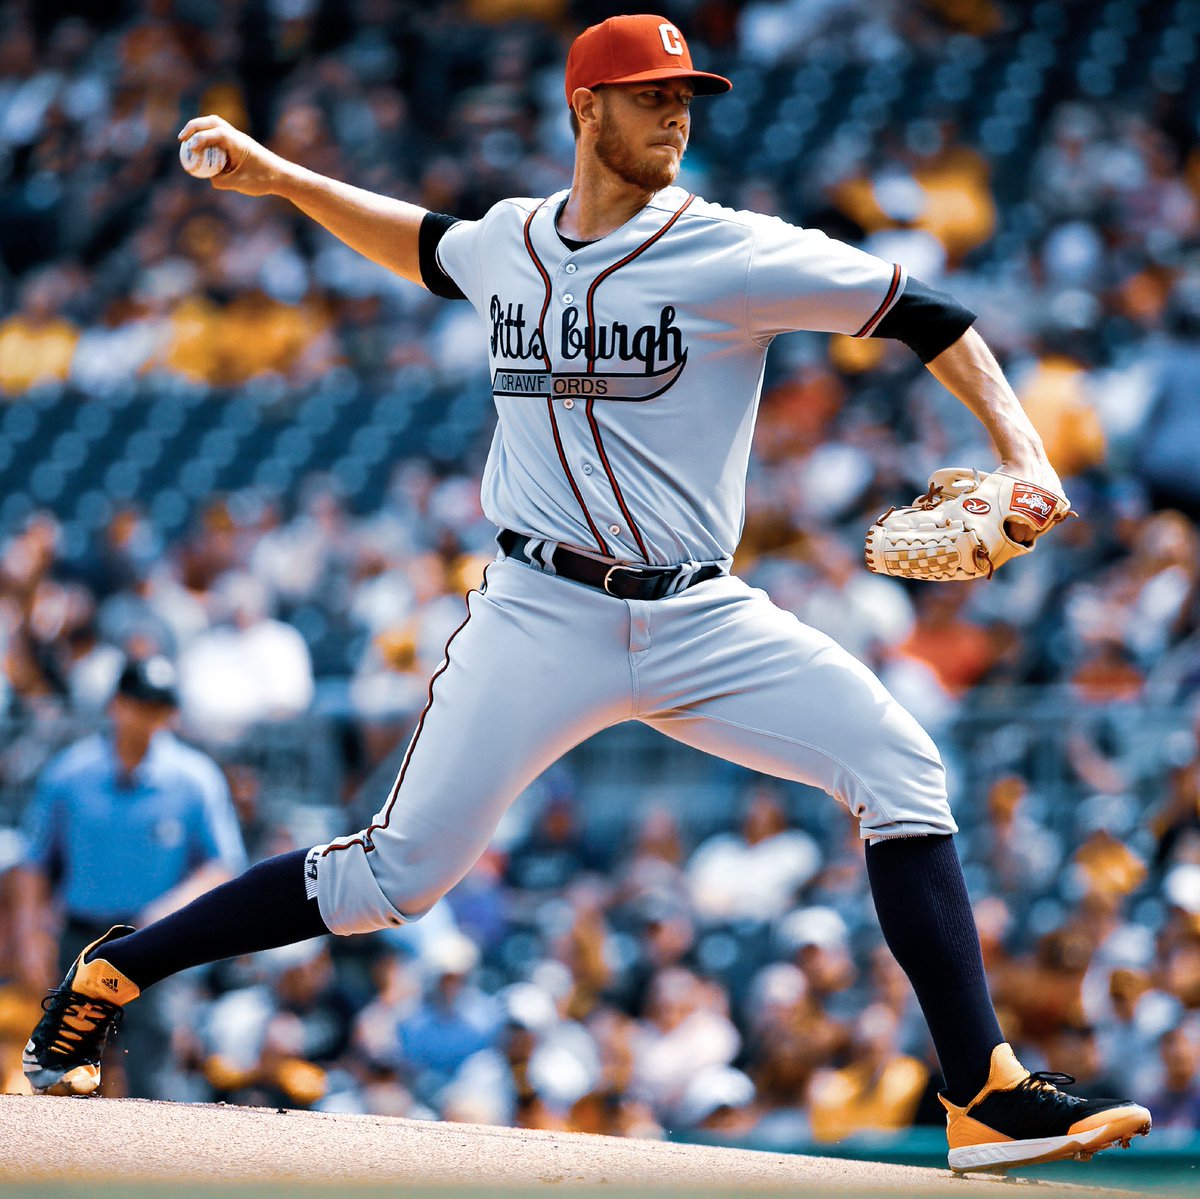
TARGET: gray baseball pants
(542,663)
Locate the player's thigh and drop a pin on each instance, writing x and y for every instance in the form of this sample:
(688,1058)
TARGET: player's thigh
(529,674)
(784,699)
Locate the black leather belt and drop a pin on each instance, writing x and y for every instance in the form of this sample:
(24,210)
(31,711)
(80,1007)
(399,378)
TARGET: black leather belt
(616,578)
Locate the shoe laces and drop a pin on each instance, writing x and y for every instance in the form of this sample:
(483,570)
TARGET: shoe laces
(78,1019)
(1042,1085)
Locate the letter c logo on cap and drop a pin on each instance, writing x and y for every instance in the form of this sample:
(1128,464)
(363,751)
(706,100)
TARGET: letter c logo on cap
(672,43)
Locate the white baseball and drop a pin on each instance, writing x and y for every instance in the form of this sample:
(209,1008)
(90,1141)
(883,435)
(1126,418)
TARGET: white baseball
(208,162)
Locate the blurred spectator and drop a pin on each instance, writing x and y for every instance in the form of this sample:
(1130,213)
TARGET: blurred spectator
(685,1029)
(614,1108)
(553,853)
(37,342)
(453,1021)
(945,638)
(1021,854)
(756,874)
(396,996)
(125,827)
(1175,823)
(654,869)
(1044,989)
(248,668)
(1055,395)
(1137,1016)
(790,1036)
(877,1091)
(1176,1104)
(719,1102)
(819,940)
(1076,1050)
(272,1045)
(1171,424)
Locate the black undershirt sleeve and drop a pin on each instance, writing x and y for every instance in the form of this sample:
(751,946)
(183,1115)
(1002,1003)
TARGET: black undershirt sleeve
(927,321)
(434,226)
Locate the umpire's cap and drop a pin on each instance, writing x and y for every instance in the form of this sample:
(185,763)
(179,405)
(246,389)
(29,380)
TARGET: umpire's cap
(633,49)
(151,680)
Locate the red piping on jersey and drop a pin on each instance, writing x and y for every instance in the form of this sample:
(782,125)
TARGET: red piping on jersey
(541,270)
(608,470)
(571,478)
(887,301)
(364,838)
(601,544)
(591,365)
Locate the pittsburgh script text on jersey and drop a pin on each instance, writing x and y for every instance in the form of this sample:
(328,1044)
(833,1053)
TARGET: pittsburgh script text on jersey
(514,337)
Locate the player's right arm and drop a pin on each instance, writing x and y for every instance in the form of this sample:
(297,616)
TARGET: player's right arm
(385,230)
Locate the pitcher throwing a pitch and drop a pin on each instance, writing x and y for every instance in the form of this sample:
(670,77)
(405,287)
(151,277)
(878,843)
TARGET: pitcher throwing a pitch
(628,323)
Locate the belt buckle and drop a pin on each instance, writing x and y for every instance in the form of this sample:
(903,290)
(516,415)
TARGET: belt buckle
(612,570)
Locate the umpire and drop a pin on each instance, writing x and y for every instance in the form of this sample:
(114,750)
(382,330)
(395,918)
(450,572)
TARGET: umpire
(125,826)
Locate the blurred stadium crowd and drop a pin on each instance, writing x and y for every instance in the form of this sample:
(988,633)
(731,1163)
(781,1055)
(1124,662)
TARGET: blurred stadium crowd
(225,438)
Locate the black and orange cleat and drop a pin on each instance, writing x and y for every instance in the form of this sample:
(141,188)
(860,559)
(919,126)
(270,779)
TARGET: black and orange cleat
(1020,1119)
(63,1054)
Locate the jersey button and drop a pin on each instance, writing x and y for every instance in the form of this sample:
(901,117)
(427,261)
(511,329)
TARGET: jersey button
(615,530)
(587,468)
(568,403)
(571,268)
(568,298)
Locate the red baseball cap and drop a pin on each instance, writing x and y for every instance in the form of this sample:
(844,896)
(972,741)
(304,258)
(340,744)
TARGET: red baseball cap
(631,49)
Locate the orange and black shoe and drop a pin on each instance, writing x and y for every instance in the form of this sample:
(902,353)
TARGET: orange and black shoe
(64,1050)
(1019,1119)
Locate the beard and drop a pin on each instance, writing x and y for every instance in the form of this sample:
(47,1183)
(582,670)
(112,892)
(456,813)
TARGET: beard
(651,173)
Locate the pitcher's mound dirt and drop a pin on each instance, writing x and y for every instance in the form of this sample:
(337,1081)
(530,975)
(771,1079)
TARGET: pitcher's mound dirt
(134,1140)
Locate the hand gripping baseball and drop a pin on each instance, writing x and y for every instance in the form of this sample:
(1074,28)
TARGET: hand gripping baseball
(964,527)
(250,168)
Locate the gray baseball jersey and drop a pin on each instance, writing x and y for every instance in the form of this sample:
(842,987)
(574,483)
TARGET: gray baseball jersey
(627,375)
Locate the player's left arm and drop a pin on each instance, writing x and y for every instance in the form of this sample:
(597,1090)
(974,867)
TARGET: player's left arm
(941,332)
(970,372)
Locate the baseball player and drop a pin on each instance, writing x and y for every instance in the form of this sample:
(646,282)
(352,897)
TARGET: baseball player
(627,326)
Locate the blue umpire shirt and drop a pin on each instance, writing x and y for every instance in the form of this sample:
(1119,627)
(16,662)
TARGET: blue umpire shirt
(113,844)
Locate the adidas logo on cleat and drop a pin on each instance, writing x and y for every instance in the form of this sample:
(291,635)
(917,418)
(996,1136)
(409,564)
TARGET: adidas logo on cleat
(112,984)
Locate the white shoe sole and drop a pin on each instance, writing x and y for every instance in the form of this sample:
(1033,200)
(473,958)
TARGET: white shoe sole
(80,1080)
(1133,1121)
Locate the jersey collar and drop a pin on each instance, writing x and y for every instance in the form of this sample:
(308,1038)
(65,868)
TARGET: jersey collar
(643,224)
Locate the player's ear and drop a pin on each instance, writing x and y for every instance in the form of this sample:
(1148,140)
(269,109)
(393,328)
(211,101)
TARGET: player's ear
(585,103)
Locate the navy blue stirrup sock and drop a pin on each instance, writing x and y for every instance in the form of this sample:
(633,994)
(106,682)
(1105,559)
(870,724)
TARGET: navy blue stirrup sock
(925,913)
(266,907)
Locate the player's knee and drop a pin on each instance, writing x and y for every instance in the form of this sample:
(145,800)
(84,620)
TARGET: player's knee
(361,890)
(410,903)
(904,795)
(412,884)
(912,805)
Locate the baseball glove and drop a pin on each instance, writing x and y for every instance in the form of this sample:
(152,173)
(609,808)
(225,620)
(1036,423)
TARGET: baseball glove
(964,527)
